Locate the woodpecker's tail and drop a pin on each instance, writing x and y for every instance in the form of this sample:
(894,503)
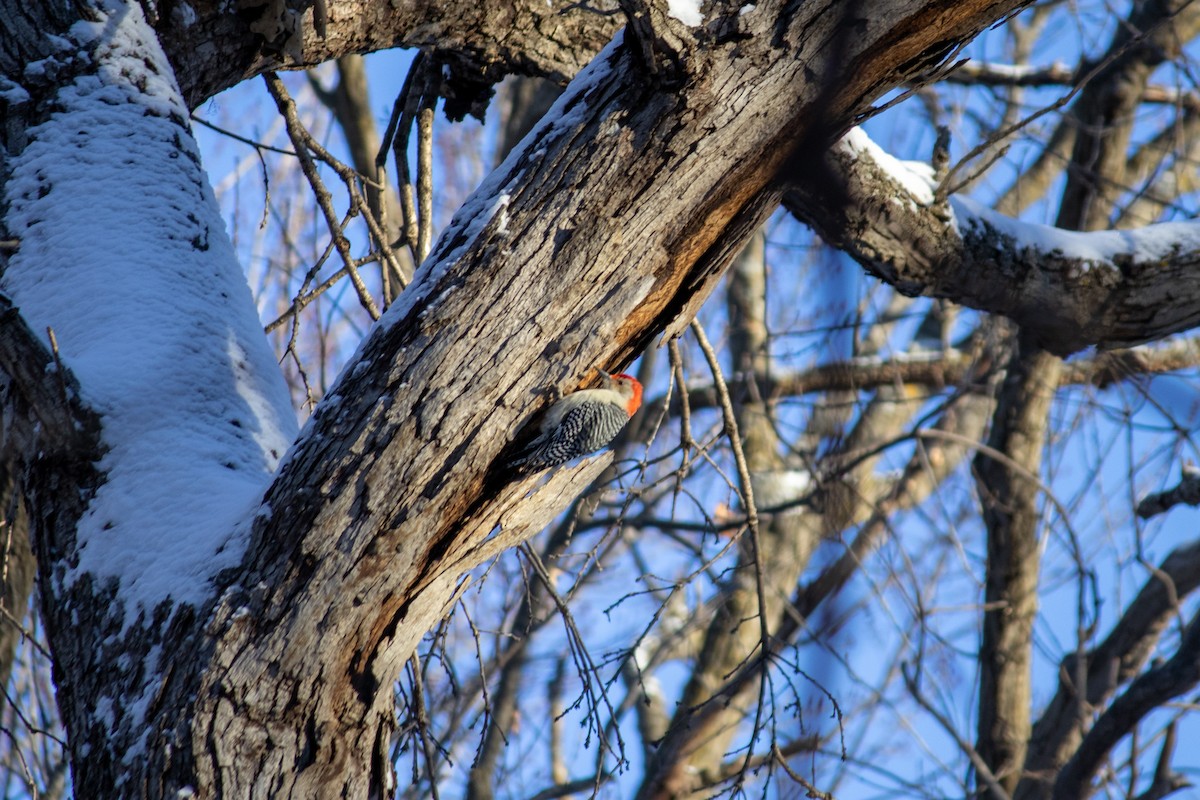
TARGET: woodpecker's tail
(523,459)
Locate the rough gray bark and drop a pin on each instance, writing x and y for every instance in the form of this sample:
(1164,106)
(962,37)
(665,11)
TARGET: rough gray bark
(525,102)
(214,47)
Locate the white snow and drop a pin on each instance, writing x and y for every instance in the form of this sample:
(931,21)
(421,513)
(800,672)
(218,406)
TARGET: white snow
(500,211)
(124,254)
(915,176)
(184,15)
(1017,71)
(777,488)
(36,69)
(686,11)
(1096,248)
(12,93)
(1092,249)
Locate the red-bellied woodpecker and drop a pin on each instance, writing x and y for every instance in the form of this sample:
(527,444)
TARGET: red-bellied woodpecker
(581,423)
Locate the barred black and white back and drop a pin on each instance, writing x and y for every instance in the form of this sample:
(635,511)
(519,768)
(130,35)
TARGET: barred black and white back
(581,423)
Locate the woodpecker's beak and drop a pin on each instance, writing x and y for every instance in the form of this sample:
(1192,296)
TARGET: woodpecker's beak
(605,374)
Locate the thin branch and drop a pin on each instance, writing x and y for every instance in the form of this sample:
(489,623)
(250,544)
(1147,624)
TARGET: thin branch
(425,176)
(981,767)
(407,103)
(812,791)
(574,787)
(305,145)
(1153,688)
(422,724)
(739,457)
(244,140)
(958,368)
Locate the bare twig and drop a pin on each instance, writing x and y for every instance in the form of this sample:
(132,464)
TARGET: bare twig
(422,724)
(747,491)
(811,791)
(981,768)
(305,144)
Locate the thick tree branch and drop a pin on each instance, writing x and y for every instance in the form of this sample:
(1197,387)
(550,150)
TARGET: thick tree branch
(1010,511)
(1067,290)
(214,44)
(1123,653)
(1151,689)
(388,497)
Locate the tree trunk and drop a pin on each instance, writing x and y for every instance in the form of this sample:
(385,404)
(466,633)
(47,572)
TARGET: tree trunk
(1009,490)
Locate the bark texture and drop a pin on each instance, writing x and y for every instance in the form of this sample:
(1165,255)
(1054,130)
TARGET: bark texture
(1009,492)
(214,44)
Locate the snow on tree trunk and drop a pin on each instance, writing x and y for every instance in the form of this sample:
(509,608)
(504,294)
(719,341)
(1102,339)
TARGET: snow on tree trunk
(125,262)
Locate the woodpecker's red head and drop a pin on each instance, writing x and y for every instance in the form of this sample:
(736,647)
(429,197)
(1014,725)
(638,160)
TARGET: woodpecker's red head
(628,386)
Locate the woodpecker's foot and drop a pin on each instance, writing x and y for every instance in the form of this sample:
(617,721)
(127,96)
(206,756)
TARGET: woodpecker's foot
(555,394)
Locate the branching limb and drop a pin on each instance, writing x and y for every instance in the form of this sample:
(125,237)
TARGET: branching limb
(304,144)
(1153,688)
(1125,650)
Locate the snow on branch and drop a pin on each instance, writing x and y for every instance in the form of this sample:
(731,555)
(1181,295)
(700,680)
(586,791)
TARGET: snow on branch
(1070,290)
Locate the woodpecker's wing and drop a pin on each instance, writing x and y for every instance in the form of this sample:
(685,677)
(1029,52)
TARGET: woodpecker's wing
(587,428)
(582,430)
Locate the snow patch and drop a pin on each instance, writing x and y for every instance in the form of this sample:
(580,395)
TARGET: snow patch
(12,93)
(686,11)
(184,15)
(500,211)
(125,256)
(915,176)
(1094,248)
(780,488)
